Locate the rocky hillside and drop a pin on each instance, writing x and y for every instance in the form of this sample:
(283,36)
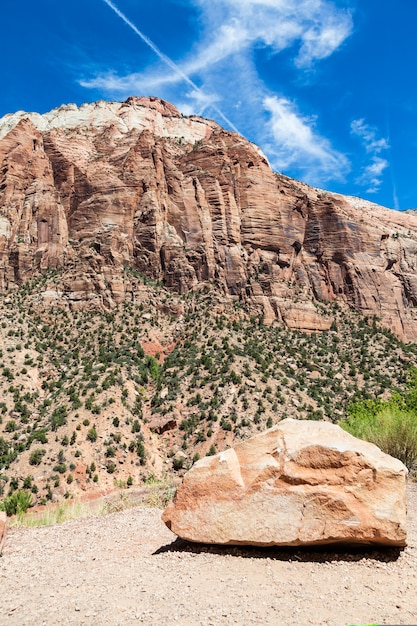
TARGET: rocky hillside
(90,400)
(163,293)
(94,189)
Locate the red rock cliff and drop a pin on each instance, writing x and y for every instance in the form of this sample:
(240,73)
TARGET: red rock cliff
(93,189)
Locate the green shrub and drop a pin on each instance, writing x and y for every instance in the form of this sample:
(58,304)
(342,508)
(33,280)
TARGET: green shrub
(38,435)
(27,483)
(61,468)
(36,457)
(138,446)
(17,502)
(136,427)
(110,451)
(92,435)
(58,417)
(392,429)
(111,468)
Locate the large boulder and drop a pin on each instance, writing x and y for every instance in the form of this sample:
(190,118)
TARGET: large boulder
(298,483)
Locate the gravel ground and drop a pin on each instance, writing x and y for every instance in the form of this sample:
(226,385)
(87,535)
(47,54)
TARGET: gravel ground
(128,568)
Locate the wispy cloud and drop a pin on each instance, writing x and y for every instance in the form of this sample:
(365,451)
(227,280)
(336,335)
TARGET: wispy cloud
(369,137)
(297,142)
(168,62)
(113,83)
(372,174)
(317,27)
(219,75)
(232,27)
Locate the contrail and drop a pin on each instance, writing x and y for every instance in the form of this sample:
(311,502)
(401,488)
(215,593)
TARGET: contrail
(167,60)
(391,165)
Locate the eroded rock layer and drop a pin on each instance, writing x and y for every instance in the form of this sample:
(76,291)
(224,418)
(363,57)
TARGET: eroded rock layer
(95,189)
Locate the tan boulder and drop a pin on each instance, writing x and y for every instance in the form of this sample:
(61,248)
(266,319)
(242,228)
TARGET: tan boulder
(298,483)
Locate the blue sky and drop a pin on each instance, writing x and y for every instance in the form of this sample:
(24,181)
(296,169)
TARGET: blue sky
(326,87)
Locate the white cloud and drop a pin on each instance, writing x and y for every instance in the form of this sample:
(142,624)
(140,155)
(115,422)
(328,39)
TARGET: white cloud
(198,102)
(320,43)
(368,135)
(111,82)
(298,144)
(316,26)
(198,94)
(222,76)
(372,174)
(238,27)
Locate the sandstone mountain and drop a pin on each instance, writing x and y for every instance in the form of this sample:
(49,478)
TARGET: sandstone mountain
(140,252)
(95,189)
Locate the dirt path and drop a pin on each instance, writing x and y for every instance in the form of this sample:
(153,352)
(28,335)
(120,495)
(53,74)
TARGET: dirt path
(126,568)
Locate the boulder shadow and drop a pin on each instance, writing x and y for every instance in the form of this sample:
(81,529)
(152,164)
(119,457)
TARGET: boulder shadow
(305,554)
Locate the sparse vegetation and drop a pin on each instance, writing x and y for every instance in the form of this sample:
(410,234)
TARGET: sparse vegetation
(390,424)
(102,400)
(36,456)
(16,503)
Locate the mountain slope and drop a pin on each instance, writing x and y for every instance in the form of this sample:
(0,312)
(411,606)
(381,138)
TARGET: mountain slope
(91,399)
(163,293)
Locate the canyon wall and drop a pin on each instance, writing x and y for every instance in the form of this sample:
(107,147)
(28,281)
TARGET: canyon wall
(97,189)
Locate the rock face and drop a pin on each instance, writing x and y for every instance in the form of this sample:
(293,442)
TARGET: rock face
(90,191)
(299,483)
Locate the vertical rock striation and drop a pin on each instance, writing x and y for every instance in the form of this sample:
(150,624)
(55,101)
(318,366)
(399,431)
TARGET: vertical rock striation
(93,189)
